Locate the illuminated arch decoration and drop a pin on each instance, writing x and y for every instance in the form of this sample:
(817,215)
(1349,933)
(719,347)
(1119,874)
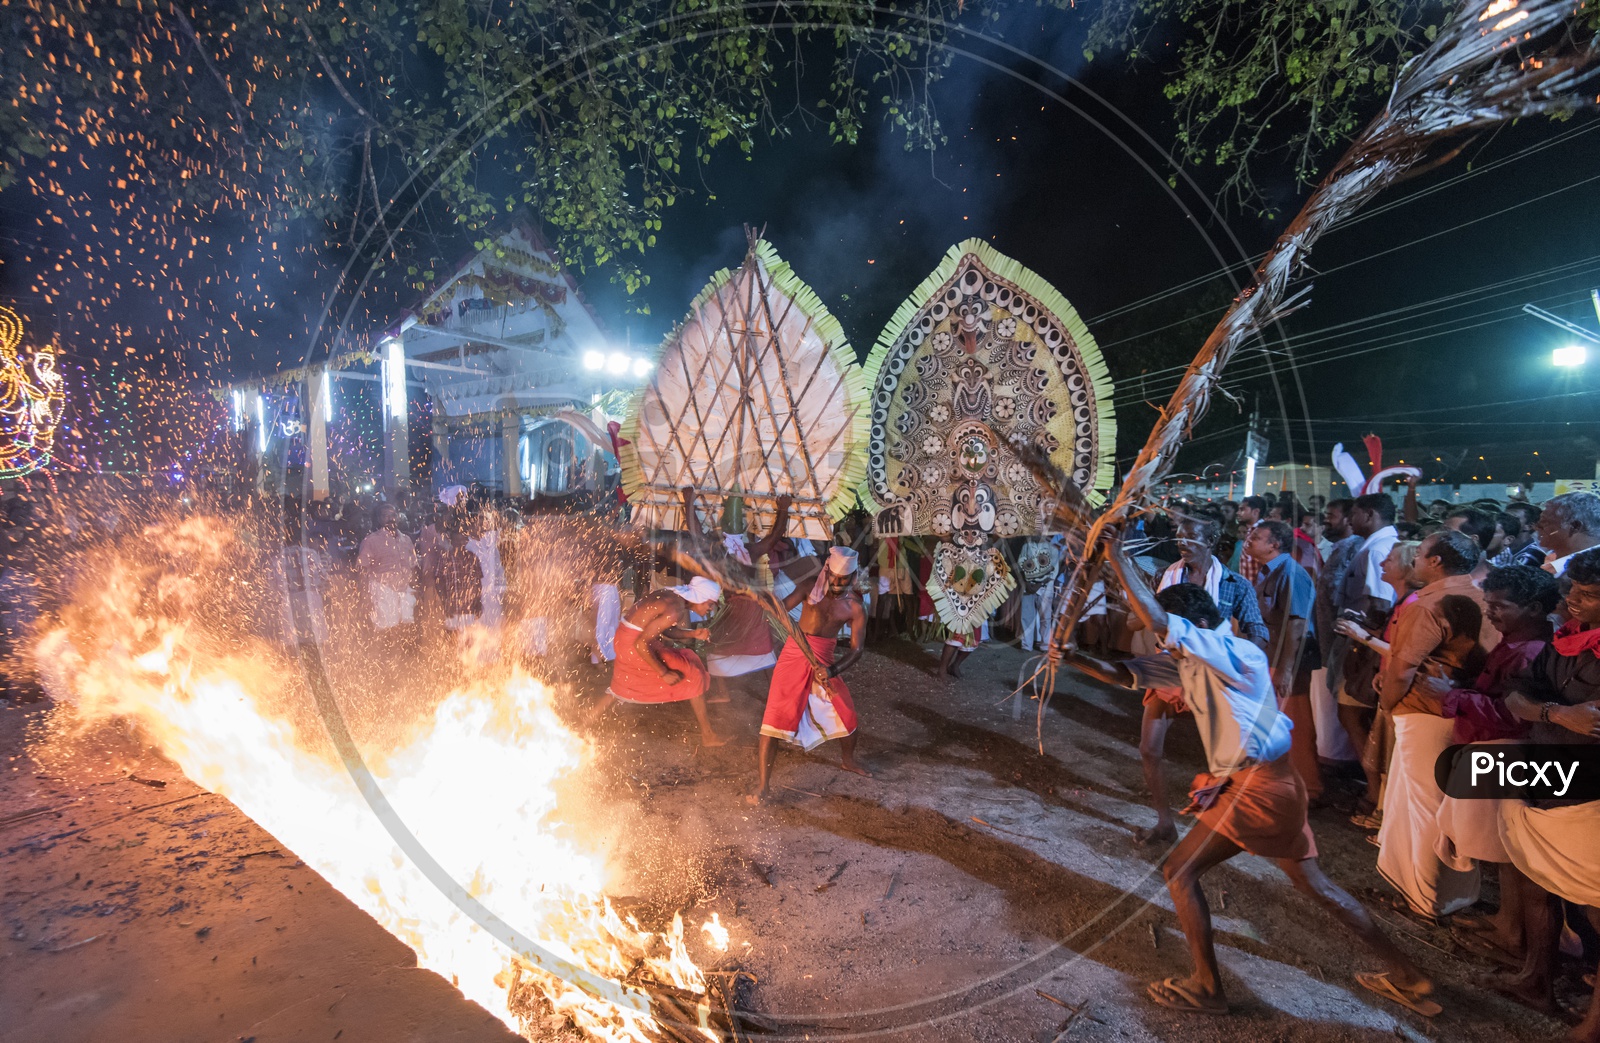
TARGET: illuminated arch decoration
(756,394)
(983,359)
(32,398)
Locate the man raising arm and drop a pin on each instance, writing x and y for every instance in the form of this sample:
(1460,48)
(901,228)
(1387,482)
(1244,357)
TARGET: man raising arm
(1249,800)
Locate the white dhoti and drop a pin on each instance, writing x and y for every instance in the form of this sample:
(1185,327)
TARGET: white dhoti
(738,665)
(607,614)
(1333,742)
(1469,830)
(391,607)
(1556,848)
(1410,833)
(1035,612)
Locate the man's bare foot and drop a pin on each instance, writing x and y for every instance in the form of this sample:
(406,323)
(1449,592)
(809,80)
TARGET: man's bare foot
(852,766)
(1160,833)
(757,798)
(712,739)
(720,697)
(1523,988)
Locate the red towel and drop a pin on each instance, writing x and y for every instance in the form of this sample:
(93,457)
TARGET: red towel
(634,678)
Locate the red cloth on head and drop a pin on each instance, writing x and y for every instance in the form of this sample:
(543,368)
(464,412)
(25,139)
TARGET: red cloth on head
(634,678)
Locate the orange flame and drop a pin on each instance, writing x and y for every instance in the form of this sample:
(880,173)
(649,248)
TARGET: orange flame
(475,783)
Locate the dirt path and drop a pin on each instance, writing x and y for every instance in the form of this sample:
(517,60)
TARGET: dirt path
(941,900)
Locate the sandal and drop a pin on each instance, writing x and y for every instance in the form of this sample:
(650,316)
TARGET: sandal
(1379,983)
(1369,820)
(1180,995)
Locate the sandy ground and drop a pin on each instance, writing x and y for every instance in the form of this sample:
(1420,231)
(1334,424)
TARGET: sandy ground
(951,897)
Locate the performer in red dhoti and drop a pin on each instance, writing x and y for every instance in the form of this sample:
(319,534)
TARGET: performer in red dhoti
(808,705)
(648,669)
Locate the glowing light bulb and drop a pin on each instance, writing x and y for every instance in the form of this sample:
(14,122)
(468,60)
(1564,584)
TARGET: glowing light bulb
(617,363)
(594,360)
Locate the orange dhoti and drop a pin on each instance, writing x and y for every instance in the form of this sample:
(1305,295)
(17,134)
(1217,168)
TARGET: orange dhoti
(798,709)
(634,678)
(1261,808)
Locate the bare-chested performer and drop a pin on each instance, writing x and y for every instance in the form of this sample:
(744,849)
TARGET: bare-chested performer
(648,669)
(809,705)
(1250,799)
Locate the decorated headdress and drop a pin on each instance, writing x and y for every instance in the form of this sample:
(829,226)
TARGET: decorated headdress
(983,365)
(756,394)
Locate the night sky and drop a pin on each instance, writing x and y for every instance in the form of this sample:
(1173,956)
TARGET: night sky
(1414,332)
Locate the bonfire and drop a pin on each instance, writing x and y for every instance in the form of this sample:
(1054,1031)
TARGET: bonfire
(449,825)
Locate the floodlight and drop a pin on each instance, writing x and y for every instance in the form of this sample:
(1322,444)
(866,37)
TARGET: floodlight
(641,367)
(1571,355)
(617,363)
(594,360)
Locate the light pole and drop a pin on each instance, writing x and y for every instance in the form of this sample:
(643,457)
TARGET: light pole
(1569,356)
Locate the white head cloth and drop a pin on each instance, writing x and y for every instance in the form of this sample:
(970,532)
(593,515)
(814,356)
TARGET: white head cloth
(698,591)
(842,561)
(451,495)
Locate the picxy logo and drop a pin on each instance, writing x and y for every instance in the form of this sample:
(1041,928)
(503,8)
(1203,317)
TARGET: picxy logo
(1515,770)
